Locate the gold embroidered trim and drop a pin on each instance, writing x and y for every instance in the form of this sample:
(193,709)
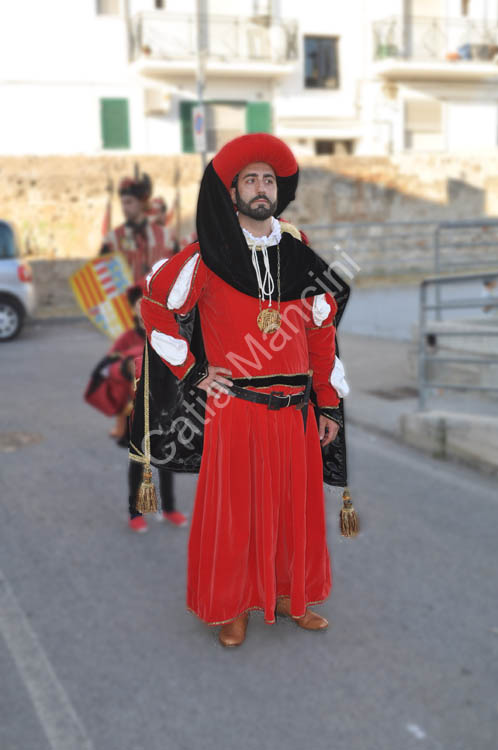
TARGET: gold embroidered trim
(155,274)
(179,271)
(314,328)
(184,376)
(191,281)
(149,299)
(286,226)
(252,609)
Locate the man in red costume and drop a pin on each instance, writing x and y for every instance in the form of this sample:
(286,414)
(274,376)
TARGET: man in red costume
(266,336)
(142,242)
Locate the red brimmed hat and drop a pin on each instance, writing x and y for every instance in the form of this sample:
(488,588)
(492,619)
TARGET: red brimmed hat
(263,147)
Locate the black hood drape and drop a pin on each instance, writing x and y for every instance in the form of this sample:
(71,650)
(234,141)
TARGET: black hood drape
(224,249)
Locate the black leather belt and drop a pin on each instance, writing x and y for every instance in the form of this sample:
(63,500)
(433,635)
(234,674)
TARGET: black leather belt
(274,401)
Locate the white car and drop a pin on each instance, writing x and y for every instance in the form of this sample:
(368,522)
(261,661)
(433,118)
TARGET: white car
(17,293)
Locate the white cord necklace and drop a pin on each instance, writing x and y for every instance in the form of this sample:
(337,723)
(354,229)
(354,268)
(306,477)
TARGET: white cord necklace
(269,319)
(267,285)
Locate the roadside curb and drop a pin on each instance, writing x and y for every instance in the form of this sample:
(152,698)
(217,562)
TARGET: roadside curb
(483,469)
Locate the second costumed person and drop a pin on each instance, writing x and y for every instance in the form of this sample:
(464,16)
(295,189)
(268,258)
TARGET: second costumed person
(266,309)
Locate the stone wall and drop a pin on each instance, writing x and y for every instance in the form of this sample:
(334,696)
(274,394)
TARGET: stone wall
(58,203)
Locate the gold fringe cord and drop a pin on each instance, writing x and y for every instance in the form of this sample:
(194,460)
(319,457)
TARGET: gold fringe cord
(348,517)
(146,498)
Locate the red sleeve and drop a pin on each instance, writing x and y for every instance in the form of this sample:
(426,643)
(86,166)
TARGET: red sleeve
(173,289)
(321,348)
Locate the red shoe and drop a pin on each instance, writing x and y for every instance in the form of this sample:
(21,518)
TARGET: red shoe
(176,518)
(138,524)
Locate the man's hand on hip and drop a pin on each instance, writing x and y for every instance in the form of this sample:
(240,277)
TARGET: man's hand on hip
(216,383)
(327,429)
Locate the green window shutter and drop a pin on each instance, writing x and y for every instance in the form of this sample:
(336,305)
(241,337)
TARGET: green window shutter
(258,117)
(114,120)
(186,125)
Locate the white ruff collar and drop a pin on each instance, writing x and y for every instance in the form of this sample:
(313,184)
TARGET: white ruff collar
(267,241)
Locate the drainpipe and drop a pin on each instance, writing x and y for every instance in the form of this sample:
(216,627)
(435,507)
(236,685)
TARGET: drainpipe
(202,50)
(406,21)
(129,33)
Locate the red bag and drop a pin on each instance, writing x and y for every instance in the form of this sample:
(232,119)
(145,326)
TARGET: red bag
(108,390)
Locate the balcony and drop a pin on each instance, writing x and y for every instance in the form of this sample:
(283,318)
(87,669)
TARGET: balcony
(436,49)
(165,44)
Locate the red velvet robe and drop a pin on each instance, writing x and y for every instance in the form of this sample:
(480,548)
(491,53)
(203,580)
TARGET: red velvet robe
(258,528)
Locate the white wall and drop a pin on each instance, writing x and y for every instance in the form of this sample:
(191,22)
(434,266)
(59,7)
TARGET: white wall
(471,126)
(60,41)
(57,59)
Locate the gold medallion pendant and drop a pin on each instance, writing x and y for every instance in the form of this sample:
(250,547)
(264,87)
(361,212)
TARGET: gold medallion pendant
(269,320)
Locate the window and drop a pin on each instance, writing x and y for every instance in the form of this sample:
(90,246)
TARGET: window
(160,4)
(321,62)
(7,242)
(114,121)
(108,7)
(339,148)
(423,125)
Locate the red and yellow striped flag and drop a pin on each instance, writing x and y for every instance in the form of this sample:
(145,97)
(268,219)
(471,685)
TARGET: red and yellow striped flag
(100,288)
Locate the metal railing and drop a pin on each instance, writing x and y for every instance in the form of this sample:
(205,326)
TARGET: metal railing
(436,39)
(460,245)
(171,37)
(425,330)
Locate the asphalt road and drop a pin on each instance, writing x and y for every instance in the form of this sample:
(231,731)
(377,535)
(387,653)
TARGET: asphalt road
(97,649)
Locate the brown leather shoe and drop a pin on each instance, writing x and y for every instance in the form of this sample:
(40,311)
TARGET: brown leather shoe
(233,633)
(310,621)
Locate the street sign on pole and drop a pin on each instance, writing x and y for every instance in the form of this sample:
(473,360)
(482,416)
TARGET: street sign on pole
(199,128)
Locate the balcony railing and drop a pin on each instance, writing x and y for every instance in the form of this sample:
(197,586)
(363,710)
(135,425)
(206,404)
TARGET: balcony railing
(172,37)
(436,40)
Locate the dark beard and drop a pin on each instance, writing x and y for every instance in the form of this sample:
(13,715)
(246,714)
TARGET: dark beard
(260,213)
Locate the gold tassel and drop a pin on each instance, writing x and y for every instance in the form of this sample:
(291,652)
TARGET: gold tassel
(147,498)
(348,518)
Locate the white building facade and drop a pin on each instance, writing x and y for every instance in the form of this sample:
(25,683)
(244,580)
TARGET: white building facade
(97,76)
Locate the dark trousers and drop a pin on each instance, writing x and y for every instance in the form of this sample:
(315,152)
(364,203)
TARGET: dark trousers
(135,474)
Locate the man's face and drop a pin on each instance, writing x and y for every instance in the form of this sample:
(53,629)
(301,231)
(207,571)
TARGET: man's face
(256,192)
(132,207)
